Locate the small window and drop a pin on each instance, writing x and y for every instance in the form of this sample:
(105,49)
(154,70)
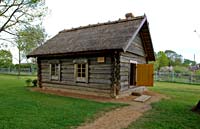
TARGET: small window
(55,71)
(81,72)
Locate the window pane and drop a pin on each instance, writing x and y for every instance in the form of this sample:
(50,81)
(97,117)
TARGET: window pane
(79,66)
(52,69)
(83,70)
(83,74)
(83,66)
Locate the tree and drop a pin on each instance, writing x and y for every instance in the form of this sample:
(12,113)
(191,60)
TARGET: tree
(188,62)
(17,13)
(161,60)
(174,58)
(5,58)
(170,54)
(28,39)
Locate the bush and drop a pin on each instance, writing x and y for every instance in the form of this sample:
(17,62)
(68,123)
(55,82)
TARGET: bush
(181,69)
(34,82)
(28,82)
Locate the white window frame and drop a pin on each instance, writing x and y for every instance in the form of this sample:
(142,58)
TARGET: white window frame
(56,76)
(78,78)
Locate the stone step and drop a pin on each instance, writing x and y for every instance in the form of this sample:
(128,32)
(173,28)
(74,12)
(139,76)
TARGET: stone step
(142,98)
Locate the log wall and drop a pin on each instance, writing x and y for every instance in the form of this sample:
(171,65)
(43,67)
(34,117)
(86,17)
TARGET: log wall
(99,75)
(135,53)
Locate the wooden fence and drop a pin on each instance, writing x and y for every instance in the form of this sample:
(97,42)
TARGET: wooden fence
(177,77)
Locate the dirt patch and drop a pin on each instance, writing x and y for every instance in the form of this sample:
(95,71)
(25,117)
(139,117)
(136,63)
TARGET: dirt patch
(115,119)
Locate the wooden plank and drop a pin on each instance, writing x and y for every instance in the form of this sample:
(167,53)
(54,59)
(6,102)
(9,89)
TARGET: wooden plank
(130,56)
(142,98)
(136,50)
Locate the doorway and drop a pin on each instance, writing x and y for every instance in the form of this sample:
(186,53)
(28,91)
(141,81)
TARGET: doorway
(132,79)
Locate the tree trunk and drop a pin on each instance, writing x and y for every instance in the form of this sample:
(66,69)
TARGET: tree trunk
(197,107)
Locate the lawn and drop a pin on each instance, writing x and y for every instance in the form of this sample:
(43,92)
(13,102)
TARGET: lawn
(173,113)
(22,109)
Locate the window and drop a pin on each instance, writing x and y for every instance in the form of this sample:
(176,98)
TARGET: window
(55,71)
(81,71)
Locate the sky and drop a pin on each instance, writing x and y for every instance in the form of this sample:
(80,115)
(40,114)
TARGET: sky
(172,22)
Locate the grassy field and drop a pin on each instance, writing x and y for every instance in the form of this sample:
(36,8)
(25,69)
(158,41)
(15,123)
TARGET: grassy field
(173,113)
(22,109)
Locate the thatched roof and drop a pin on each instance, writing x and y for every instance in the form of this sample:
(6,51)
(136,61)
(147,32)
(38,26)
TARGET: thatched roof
(103,36)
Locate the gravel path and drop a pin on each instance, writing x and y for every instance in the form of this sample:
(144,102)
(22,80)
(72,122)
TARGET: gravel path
(122,117)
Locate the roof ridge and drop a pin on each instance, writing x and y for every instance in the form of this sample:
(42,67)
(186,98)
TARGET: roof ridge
(100,24)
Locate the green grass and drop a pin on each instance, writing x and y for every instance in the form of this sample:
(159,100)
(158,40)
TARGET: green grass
(173,113)
(23,109)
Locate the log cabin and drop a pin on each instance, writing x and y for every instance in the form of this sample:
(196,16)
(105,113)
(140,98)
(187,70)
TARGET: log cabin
(105,59)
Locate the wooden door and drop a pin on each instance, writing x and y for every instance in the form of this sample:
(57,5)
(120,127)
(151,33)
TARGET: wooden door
(144,75)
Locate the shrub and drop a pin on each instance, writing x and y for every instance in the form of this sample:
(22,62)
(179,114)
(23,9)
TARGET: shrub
(28,82)
(34,82)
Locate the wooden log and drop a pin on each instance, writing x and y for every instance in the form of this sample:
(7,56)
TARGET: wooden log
(100,81)
(67,66)
(72,85)
(124,78)
(124,69)
(100,67)
(100,71)
(129,56)
(45,75)
(124,73)
(67,71)
(45,70)
(100,76)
